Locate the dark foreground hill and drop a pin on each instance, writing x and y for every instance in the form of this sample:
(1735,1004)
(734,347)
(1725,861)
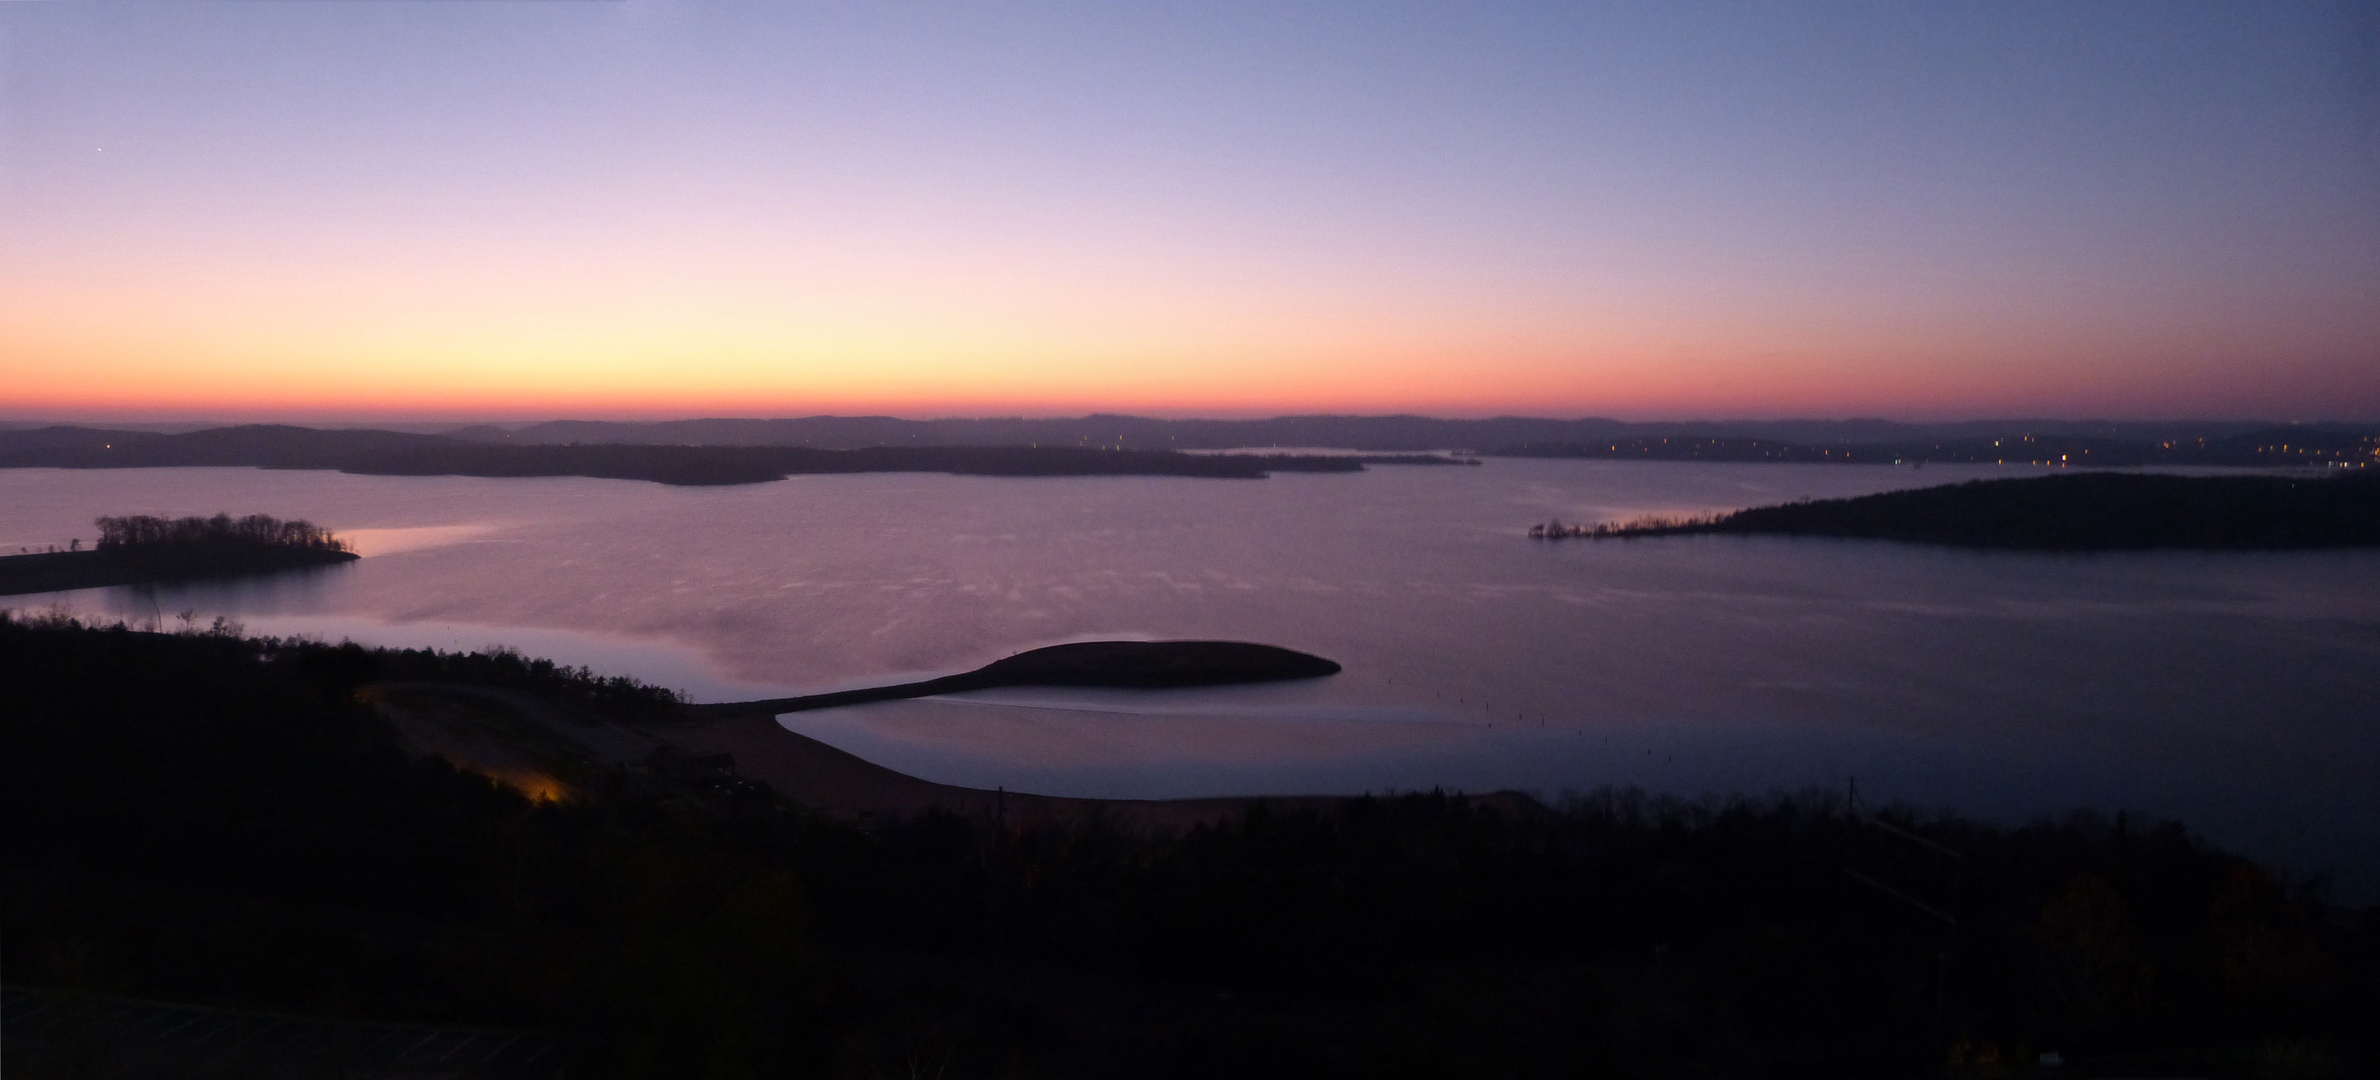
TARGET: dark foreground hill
(212,821)
(2092,511)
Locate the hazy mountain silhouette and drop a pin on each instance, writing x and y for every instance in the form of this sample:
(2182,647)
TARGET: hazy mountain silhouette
(1384,433)
(727,451)
(395,453)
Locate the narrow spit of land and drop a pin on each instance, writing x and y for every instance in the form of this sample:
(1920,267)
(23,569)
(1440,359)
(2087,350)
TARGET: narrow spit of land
(143,550)
(747,733)
(1146,665)
(2093,511)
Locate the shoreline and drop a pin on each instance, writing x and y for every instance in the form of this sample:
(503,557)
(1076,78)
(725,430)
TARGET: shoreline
(62,571)
(2083,511)
(530,744)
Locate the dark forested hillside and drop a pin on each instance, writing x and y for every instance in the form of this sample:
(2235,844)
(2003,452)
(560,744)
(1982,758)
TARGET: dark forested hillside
(203,818)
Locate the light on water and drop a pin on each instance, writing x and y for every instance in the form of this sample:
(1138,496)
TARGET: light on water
(2228,689)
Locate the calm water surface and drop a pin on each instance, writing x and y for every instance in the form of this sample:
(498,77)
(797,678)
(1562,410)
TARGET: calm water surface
(2235,691)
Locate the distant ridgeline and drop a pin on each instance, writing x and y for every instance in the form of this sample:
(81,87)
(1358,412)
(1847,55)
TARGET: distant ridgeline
(2076,512)
(139,549)
(396,453)
(756,451)
(2330,445)
(2094,442)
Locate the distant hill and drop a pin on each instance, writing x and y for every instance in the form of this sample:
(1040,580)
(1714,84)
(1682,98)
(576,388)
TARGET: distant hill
(2097,443)
(2312,444)
(261,445)
(393,453)
(1376,433)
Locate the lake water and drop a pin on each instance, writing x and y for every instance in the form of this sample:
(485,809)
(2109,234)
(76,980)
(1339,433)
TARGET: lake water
(2233,691)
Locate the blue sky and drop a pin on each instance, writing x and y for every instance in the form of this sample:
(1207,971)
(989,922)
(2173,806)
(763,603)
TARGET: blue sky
(1660,209)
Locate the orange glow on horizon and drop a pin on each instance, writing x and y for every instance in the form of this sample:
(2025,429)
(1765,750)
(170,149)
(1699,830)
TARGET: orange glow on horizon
(237,212)
(466,334)
(588,364)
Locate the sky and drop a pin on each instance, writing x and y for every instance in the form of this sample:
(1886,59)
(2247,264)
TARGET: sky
(495,210)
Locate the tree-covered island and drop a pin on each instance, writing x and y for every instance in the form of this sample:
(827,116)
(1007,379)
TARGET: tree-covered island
(139,550)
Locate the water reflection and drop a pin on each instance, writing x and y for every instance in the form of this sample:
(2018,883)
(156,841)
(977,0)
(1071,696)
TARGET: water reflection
(389,541)
(2230,689)
(302,588)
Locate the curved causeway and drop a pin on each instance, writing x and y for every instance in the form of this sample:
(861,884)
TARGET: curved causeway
(1148,665)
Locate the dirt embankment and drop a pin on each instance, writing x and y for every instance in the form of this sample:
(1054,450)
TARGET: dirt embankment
(546,751)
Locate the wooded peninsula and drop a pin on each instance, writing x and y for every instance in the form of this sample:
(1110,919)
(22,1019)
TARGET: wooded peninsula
(2091,511)
(142,550)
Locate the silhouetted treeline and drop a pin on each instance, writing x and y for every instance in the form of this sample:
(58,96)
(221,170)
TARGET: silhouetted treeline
(2077,512)
(205,818)
(1653,525)
(138,550)
(616,696)
(389,453)
(256,530)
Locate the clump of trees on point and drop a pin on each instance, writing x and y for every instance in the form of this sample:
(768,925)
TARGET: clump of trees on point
(259,530)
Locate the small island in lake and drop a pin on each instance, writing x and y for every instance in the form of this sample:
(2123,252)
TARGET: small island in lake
(1149,665)
(2093,511)
(140,550)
